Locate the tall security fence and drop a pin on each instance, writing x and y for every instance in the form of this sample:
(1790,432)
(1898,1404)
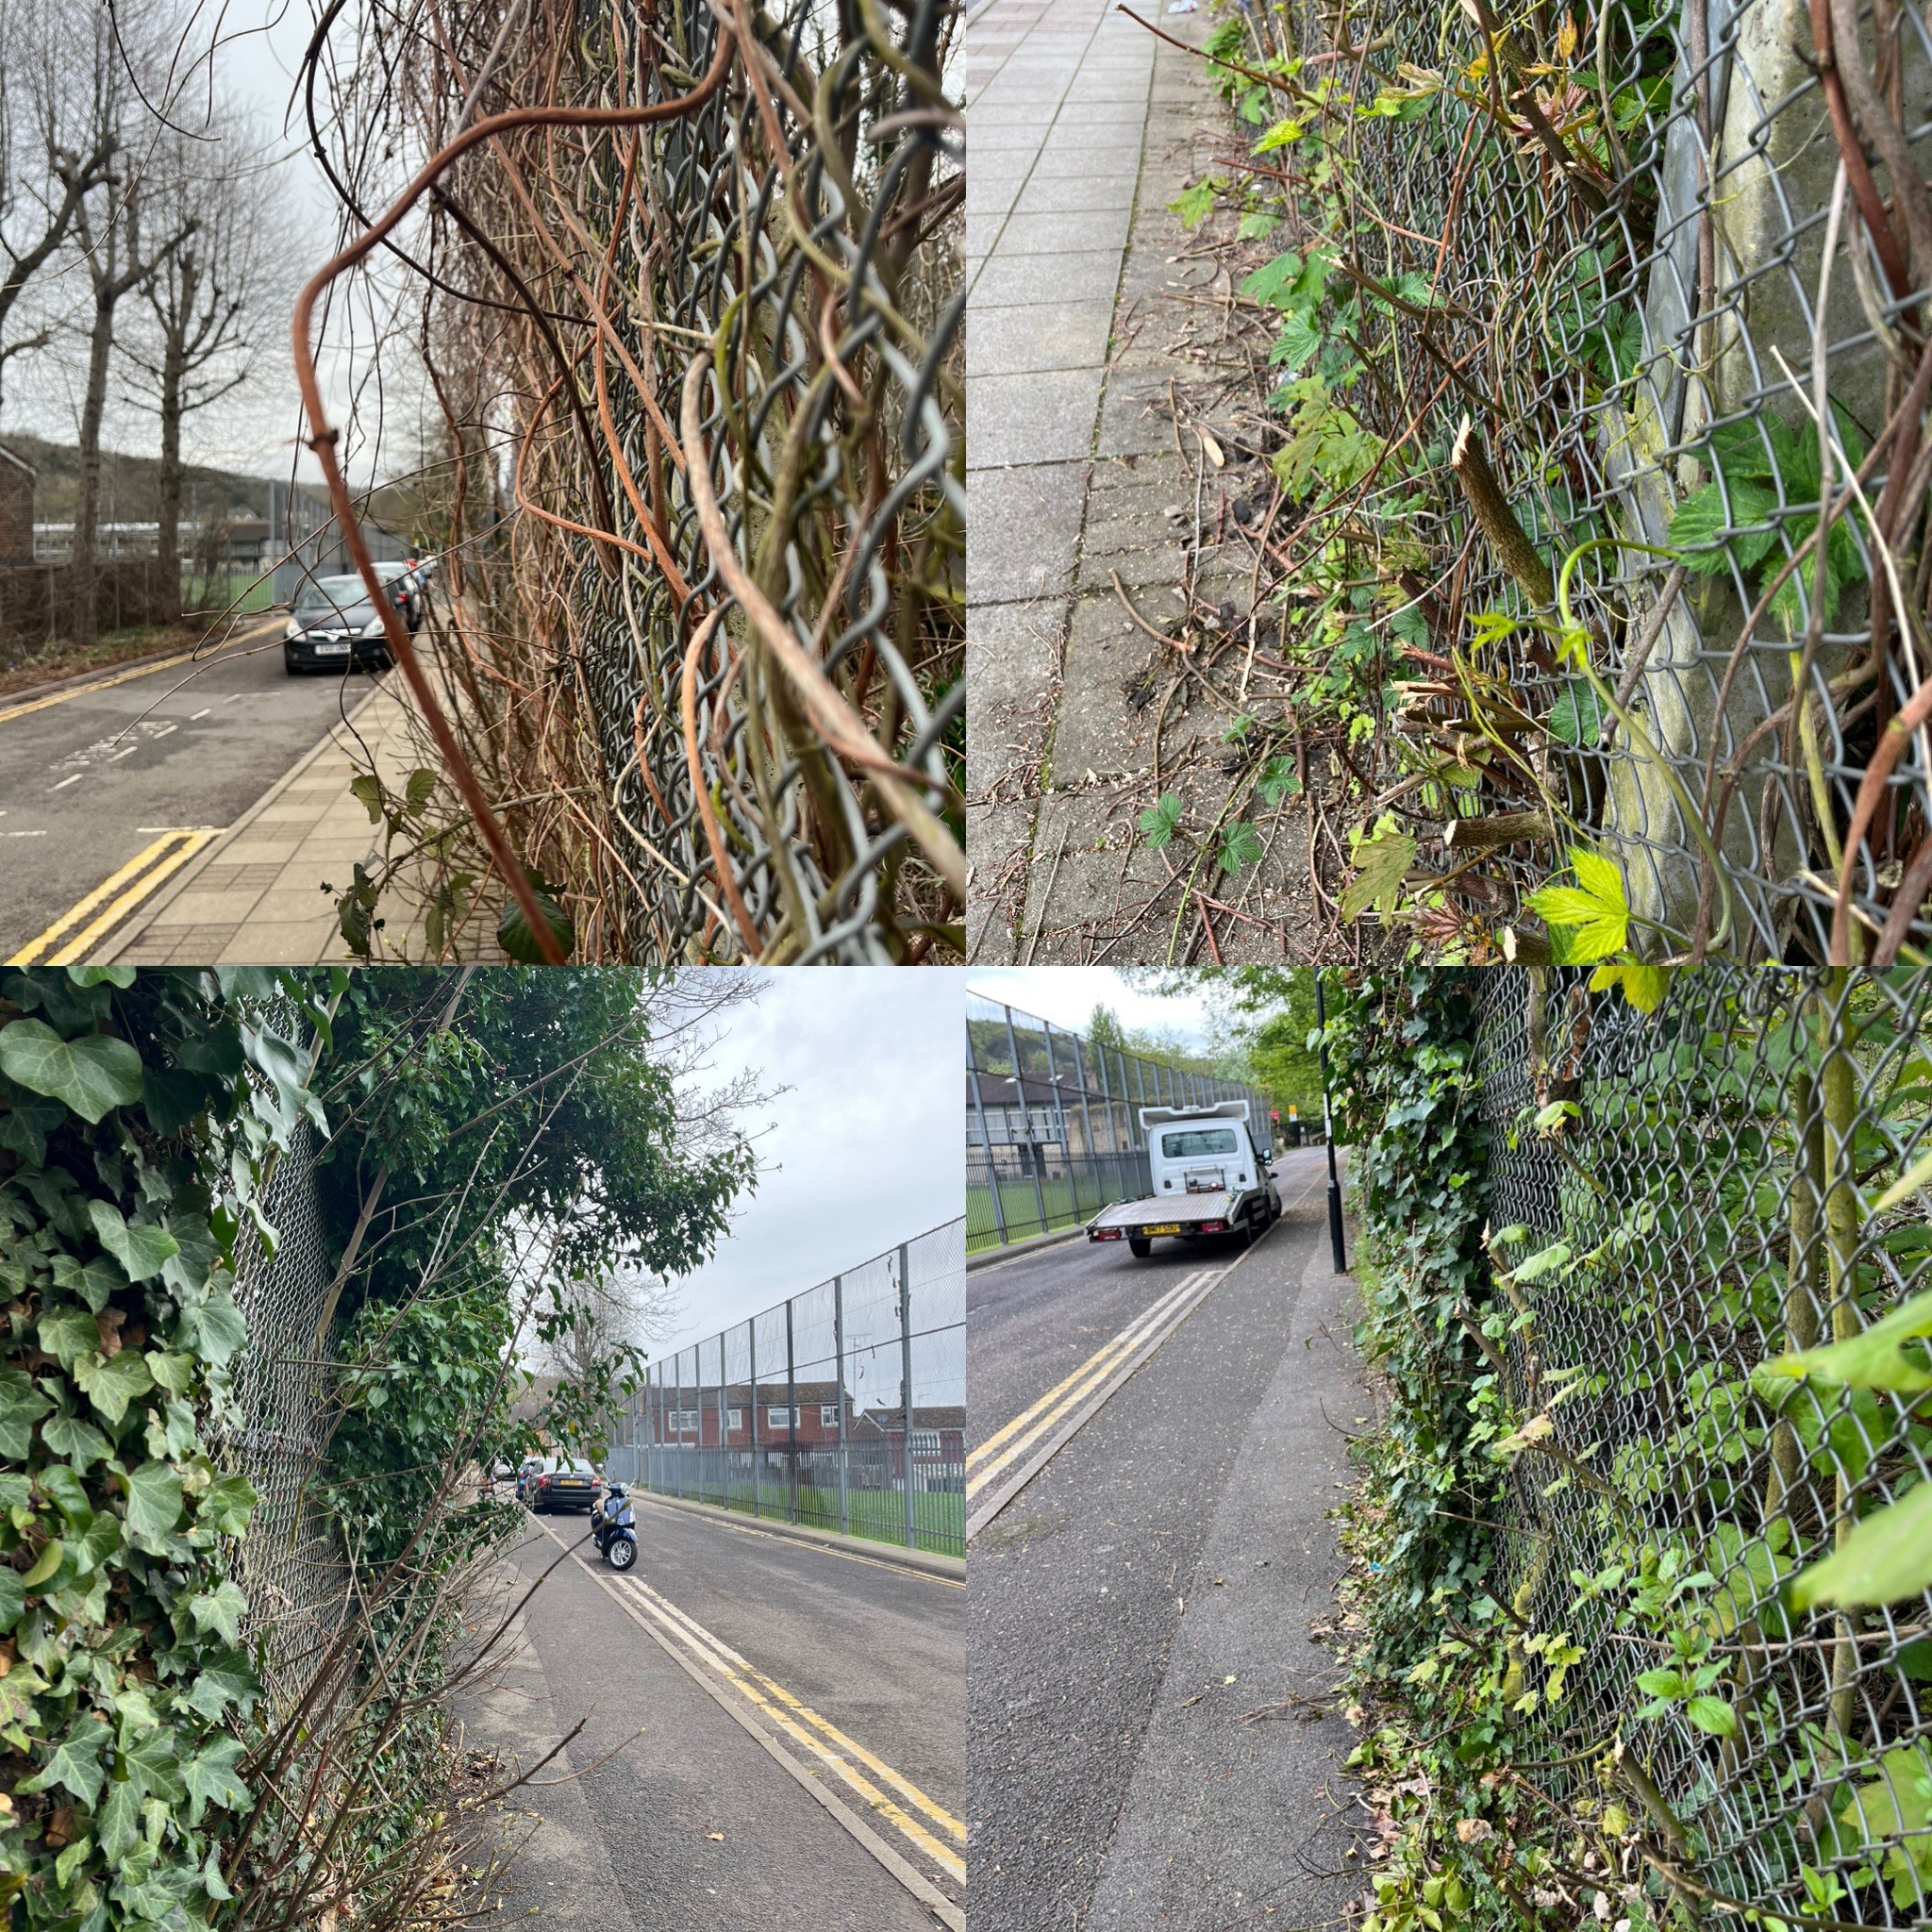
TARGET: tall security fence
(1584,287)
(1052,1131)
(843,1407)
(1685,1198)
(702,507)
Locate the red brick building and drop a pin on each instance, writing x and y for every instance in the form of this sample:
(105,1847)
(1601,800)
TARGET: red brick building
(17,479)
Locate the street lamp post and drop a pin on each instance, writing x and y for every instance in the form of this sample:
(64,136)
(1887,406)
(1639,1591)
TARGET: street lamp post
(1328,1134)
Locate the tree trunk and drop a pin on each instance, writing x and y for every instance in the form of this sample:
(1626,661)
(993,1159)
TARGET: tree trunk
(86,517)
(168,537)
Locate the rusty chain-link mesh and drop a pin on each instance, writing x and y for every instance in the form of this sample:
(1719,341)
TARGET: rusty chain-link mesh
(1705,1174)
(1597,232)
(725,730)
(843,1407)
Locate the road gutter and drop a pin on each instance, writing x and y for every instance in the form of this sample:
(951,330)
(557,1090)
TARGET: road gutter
(950,1915)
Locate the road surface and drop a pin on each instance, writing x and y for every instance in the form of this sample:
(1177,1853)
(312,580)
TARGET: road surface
(1153,1738)
(92,781)
(694,1826)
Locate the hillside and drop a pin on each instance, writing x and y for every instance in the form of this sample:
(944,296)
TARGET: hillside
(130,485)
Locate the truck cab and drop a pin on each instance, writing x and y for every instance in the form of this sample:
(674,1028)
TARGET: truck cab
(1208,1174)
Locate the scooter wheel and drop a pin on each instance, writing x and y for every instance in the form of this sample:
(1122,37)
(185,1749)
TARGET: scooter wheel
(621,1553)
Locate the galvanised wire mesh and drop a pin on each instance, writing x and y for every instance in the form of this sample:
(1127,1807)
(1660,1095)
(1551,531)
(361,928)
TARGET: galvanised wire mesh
(1695,1183)
(1596,234)
(706,631)
(290,1564)
(843,1407)
(1052,1125)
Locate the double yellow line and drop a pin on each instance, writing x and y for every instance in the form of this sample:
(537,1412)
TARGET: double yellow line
(1008,1444)
(937,1834)
(68,939)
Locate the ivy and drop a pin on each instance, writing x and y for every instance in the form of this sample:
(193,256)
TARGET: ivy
(135,1136)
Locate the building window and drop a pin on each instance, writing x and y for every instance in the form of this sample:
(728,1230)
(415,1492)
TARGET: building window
(734,1419)
(780,1418)
(828,1415)
(681,1422)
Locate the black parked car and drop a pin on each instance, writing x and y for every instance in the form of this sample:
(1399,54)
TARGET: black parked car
(562,1482)
(334,628)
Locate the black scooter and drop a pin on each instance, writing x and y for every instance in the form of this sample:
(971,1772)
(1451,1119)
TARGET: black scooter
(615,1528)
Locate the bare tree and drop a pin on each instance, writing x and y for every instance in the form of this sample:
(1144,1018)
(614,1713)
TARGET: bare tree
(207,298)
(57,141)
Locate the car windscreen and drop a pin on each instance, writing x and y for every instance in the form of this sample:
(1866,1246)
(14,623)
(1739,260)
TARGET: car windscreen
(333,594)
(1183,1147)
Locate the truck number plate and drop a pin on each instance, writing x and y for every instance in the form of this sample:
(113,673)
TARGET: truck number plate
(1165,1228)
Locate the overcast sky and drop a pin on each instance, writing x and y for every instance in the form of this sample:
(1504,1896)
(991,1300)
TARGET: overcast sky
(864,1151)
(1068,994)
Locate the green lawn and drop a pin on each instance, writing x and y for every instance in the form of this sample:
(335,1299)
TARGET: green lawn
(939,1520)
(1020,1206)
(221,594)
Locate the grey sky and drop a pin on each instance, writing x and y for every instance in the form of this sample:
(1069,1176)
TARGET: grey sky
(865,1150)
(1068,994)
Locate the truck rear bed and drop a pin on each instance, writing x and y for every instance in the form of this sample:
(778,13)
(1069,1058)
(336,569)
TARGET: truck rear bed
(1163,1214)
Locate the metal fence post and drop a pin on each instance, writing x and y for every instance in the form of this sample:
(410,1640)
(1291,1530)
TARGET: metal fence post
(1020,1091)
(758,1475)
(993,1171)
(792,1408)
(723,1458)
(839,1394)
(906,1384)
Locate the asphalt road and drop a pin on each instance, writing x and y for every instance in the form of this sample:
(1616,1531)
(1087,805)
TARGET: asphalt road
(692,1826)
(1152,1736)
(88,783)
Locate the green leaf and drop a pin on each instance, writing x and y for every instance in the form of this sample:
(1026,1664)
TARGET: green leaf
(154,1504)
(118,1822)
(75,1441)
(1662,1683)
(1279,779)
(27,1124)
(419,787)
(141,1249)
(99,1540)
(1577,716)
(123,976)
(1713,533)
(1644,986)
(75,1762)
(1887,1557)
(150,1759)
(513,932)
(1240,846)
(68,1493)
(368,788)
(1593,917)
(1194,205)
(224,1681)
(13,1598)
(228,1504)
(220,1610)
(21,1406)
(1269,283)
(91,1074)
(1879,1357)
(69,1333)
(1712,1714)
(1297,344)
(46,1566)
(211,1778)
(1160,822)
(216,1327)
(170,1097)
(113,1384)
(1381,863)
(94,1283)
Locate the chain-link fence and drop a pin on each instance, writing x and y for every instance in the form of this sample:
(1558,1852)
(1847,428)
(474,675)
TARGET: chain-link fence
(705,614)
(1052,1125)
(843,1407)
(1578,304)
(1685,1197)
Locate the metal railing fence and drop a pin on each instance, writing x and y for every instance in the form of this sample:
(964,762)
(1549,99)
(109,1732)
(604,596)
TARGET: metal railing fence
(1053,1130)
(1697,1186)
(843,1407)
(1602,232)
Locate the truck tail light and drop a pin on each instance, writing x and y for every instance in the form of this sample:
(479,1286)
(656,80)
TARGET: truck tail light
(1214,1227)
(1106,1234)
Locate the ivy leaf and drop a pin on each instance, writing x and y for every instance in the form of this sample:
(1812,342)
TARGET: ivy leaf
(25,1127)
(111,1385)
(21,1406)
(220,1610)
(75,1441)
(75,1762)
(94,1284)
(94,1545)
(172,1097)
(118,1822)
(69,1494)
(91,1074)
(211,1780)
(226,1680)
(513,932)
(141,1248)
(46,1566)
(69,1333)
(228,1504)
(1887,1557)
(154,1505)
(151,1761)
(12,1597)
(216,1327)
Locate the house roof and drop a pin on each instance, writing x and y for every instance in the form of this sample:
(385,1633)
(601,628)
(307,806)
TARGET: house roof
(19,461)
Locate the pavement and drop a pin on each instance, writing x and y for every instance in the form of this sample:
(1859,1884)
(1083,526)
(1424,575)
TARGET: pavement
(1088,462)
(1153,1738)
(96,773)
(693,1824)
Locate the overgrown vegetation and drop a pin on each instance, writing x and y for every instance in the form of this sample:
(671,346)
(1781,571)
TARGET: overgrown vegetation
(1652,1462)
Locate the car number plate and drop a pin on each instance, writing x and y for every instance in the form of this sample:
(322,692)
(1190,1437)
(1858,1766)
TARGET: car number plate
(331,649)
(1165,1228)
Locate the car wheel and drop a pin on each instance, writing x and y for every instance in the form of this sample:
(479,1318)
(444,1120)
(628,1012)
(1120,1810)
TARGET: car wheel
(623,1553)
(1139,1247)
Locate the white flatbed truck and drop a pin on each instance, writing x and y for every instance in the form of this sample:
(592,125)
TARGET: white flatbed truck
(1209,1177)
